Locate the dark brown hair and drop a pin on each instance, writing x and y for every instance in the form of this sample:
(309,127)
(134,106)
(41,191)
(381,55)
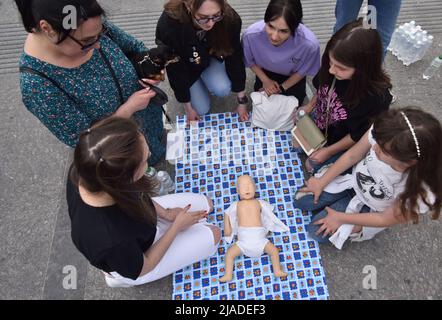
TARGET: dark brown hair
(361,49)
(290,10)
(219,37)
(106,159)
(394,137)
(33,11)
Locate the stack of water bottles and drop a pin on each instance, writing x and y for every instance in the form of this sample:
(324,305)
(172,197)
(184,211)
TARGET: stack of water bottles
(409,43)
(165,184)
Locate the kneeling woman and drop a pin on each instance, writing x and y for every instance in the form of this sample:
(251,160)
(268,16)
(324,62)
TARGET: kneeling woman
(116,225)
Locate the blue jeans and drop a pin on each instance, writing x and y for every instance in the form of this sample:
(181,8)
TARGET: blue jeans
(214,79)
(336,201)
(387,13)
(330,160)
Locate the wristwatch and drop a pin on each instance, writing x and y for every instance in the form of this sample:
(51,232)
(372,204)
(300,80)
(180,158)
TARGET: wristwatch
(242,100)
(282,88)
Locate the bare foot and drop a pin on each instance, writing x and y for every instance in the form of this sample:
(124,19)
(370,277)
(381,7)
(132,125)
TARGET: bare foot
(279,274)
(226,278)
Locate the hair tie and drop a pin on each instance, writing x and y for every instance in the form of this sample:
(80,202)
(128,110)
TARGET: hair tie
(101,160)
(413,133)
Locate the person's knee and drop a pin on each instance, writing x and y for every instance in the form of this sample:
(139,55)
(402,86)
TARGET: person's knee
(202,107)
(222,89)
(216,234)
(304,203)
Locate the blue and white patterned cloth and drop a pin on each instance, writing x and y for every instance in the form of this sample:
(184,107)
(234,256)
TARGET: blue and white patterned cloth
(216,153)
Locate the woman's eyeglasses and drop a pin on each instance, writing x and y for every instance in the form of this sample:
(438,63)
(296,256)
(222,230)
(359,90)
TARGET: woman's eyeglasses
(86,45)
(203,21)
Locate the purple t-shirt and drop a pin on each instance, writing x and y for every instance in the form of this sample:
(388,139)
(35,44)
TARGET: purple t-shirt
(298,54)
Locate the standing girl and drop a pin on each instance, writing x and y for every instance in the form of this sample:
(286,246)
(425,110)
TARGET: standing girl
(116,224)
(206,34)
(73,76)
(396,177)
(281,51)
(352,90)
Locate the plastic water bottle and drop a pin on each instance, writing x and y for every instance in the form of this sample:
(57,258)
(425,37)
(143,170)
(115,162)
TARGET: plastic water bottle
(166,182)
(152,173)
(432,69)
(299,114)
(409,43)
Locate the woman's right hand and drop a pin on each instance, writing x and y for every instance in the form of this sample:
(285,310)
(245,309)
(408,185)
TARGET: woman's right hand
(271,87)
(191,114)
(315,186)
(185,219)
(139,100)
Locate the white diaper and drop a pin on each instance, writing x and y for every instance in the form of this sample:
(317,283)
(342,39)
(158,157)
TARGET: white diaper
(252,240)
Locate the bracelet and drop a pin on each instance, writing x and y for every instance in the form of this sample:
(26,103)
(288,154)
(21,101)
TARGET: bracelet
(242,100)
(282,88)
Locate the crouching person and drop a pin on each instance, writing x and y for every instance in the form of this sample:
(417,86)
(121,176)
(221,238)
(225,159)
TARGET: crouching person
(117,224)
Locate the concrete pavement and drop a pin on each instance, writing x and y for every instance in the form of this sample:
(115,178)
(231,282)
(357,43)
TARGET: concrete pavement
(35,228)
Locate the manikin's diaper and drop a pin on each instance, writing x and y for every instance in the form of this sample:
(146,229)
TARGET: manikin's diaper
(252,240)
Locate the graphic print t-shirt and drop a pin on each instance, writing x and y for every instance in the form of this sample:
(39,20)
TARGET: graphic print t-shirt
(378,185)
(343,120)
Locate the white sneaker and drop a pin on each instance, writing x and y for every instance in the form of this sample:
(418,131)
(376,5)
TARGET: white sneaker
(115,283)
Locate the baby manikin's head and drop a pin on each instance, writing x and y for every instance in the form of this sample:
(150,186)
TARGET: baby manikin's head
(245,187)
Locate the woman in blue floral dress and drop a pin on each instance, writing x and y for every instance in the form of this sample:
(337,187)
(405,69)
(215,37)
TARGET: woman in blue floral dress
(72,77)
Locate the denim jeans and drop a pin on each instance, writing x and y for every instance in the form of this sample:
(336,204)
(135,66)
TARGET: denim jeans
(387,13)
(330,160)
(214,79)
(337,201)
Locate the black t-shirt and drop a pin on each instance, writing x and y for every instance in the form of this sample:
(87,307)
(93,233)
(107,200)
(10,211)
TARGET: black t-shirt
(108,237)
(343,120)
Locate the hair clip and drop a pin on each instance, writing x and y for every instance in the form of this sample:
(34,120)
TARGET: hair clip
(413,133)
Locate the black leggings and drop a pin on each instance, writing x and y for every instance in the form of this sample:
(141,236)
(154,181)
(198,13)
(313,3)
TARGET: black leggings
(298,90)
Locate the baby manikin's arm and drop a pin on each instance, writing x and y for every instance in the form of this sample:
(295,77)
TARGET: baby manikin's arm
(227,226)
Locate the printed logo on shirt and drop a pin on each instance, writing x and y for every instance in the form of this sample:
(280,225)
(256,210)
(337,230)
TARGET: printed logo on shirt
(195,56)
(367,184)
(295,60)
(337,111)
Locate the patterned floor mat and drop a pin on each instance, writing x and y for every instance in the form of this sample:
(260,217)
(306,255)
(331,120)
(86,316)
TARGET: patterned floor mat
(216,152)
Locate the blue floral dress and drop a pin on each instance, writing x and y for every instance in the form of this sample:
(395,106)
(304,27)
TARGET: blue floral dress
(94,90)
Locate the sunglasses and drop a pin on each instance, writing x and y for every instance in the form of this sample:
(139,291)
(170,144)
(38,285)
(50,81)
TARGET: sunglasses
(86,45)
(204,21)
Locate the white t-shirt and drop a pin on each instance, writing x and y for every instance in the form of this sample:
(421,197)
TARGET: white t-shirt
(376,184)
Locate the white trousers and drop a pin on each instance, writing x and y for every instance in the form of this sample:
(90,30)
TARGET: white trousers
(191,245)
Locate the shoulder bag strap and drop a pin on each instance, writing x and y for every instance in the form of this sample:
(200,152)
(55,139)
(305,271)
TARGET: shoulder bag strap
(55,83)
(114,76)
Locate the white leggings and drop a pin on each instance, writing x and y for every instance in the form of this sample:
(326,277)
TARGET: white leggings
(191,245)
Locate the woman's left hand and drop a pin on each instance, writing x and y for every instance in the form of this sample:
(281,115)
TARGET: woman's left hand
(243,115)
(321,155)
(171,213)
(330,223)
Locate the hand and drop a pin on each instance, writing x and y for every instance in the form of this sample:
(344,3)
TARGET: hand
(191,114)
(271,87)
(185,219)
(142,82)
(139,100)
(313,185)
(321,155)
(241,110)
(330,223)
(171,213)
